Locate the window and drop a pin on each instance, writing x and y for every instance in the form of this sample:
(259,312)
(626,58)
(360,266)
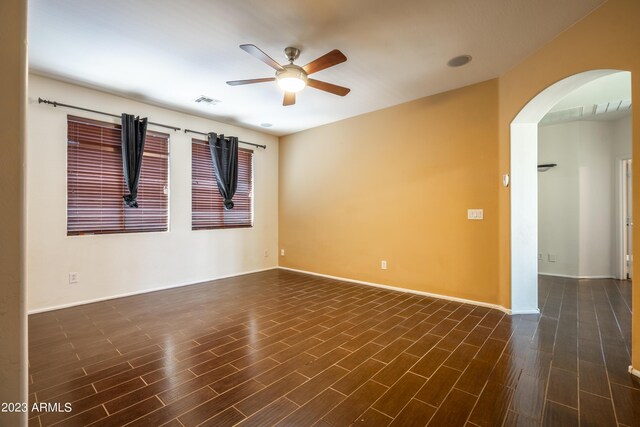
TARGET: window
(207,208)
(95,183)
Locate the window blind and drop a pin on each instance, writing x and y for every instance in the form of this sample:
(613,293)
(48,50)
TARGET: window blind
(95,184)
(207,205)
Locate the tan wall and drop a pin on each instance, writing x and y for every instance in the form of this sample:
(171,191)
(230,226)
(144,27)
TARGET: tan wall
(609,38)
(396,184)
(13,66)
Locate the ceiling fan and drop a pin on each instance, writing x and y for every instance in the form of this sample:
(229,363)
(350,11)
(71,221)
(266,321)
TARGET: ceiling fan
(293,78)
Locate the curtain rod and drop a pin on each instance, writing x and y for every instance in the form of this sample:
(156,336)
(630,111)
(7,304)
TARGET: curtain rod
(59,104)
(241,142)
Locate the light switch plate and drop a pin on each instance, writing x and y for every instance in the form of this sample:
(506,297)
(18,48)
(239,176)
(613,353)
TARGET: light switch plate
(475,214)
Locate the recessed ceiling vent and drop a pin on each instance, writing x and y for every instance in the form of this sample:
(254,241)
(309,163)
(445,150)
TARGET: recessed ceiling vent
(611,107)
(563,115)
(205,100)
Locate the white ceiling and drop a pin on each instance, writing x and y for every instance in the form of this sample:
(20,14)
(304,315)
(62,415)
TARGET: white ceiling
(606,98)
(170,52)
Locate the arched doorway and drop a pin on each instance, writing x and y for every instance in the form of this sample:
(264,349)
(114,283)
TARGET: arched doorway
(524,189)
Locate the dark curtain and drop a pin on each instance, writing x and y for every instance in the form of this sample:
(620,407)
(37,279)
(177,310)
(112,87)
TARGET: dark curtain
(134,130)
(224,153)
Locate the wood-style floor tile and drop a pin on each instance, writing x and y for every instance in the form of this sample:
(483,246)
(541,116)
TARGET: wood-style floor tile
(593,378)
(83,418)
(358,376)
(227,418)
(323,362)
(400,393)
(596,410)
(284,348)
(528,398)
(218,404)
(131,413)
(177,408)
(492,405)
(439,386)
(372,418)
(454,410)
(625,401)
(461,356)
(313,410)
(430,362)
(474,377)
(271,393)
(394,370)
(563,387)
(353,406)
(270,415)
(560,415)
(415,414)
(316,385)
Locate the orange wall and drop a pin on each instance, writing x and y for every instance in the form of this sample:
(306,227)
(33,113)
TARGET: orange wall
(396,184)
(608,38)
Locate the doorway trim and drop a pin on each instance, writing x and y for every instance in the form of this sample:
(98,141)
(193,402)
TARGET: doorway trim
(524,189)
(622,204)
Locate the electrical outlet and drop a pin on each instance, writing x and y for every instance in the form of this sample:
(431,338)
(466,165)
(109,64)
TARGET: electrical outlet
(73,277)
(281,252)
(383,264)
(539,257)
(552,258)
(266,253)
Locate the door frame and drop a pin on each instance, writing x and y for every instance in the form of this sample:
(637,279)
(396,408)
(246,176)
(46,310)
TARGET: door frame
(622,204)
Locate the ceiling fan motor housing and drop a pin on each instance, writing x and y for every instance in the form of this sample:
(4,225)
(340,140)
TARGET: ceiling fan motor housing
(292,53)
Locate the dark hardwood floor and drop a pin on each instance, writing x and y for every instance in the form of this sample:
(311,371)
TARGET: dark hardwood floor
(282,348)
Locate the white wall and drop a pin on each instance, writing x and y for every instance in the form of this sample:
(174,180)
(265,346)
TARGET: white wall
(118,264)
(558,199)
(577,209)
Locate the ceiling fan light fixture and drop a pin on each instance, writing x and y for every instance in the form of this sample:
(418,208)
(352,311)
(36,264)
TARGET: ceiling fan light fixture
(292,78)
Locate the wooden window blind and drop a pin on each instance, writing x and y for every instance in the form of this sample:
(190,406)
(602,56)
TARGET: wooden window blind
(207,205)
(95,182)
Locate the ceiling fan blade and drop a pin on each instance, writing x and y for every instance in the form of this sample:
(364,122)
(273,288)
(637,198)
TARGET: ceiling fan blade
(256,52)
(327,60)
(328,87)
(250,81)
(289,98)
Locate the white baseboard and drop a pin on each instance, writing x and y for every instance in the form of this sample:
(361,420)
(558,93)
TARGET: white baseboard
(634,371)
(142,291)
(411,291)
(532,311)
(568,276)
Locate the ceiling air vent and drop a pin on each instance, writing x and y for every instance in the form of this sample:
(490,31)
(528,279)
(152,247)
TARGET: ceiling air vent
(205,100)
(612,107)
(562,115)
